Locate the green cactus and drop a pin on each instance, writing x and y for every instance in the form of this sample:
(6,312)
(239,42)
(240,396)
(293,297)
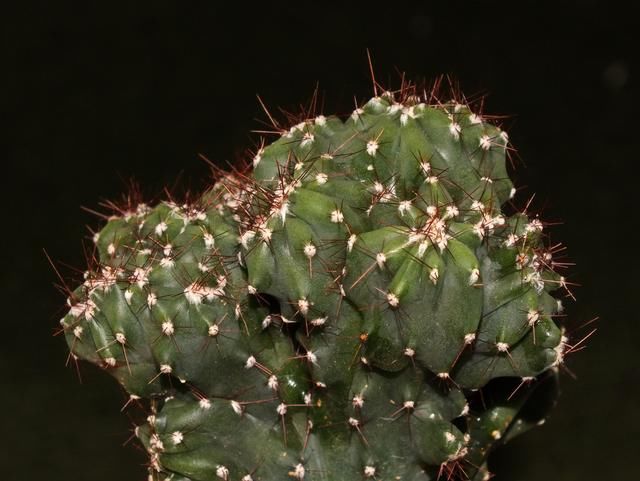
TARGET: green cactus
(354,305)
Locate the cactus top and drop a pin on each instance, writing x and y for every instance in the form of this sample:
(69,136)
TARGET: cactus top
(330,313)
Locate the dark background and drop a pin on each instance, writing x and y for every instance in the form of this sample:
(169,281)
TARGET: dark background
(94,93)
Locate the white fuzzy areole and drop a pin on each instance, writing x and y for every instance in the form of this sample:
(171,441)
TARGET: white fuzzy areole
(372,147)
(337,216)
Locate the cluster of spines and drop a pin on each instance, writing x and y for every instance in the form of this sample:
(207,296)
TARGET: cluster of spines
(245,214)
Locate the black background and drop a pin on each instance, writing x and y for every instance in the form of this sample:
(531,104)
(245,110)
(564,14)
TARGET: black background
(95,93)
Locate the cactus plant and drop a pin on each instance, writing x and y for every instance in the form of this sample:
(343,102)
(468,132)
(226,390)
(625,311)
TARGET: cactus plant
(355,303)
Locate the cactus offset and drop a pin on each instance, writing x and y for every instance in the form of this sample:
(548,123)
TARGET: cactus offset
(337,310)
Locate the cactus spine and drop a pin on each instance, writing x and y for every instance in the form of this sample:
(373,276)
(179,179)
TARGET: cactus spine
(337,310)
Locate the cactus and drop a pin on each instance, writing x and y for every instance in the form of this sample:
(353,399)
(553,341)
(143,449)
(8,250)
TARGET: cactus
(354,304)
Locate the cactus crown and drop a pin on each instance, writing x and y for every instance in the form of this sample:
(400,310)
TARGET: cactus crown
(356,304)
